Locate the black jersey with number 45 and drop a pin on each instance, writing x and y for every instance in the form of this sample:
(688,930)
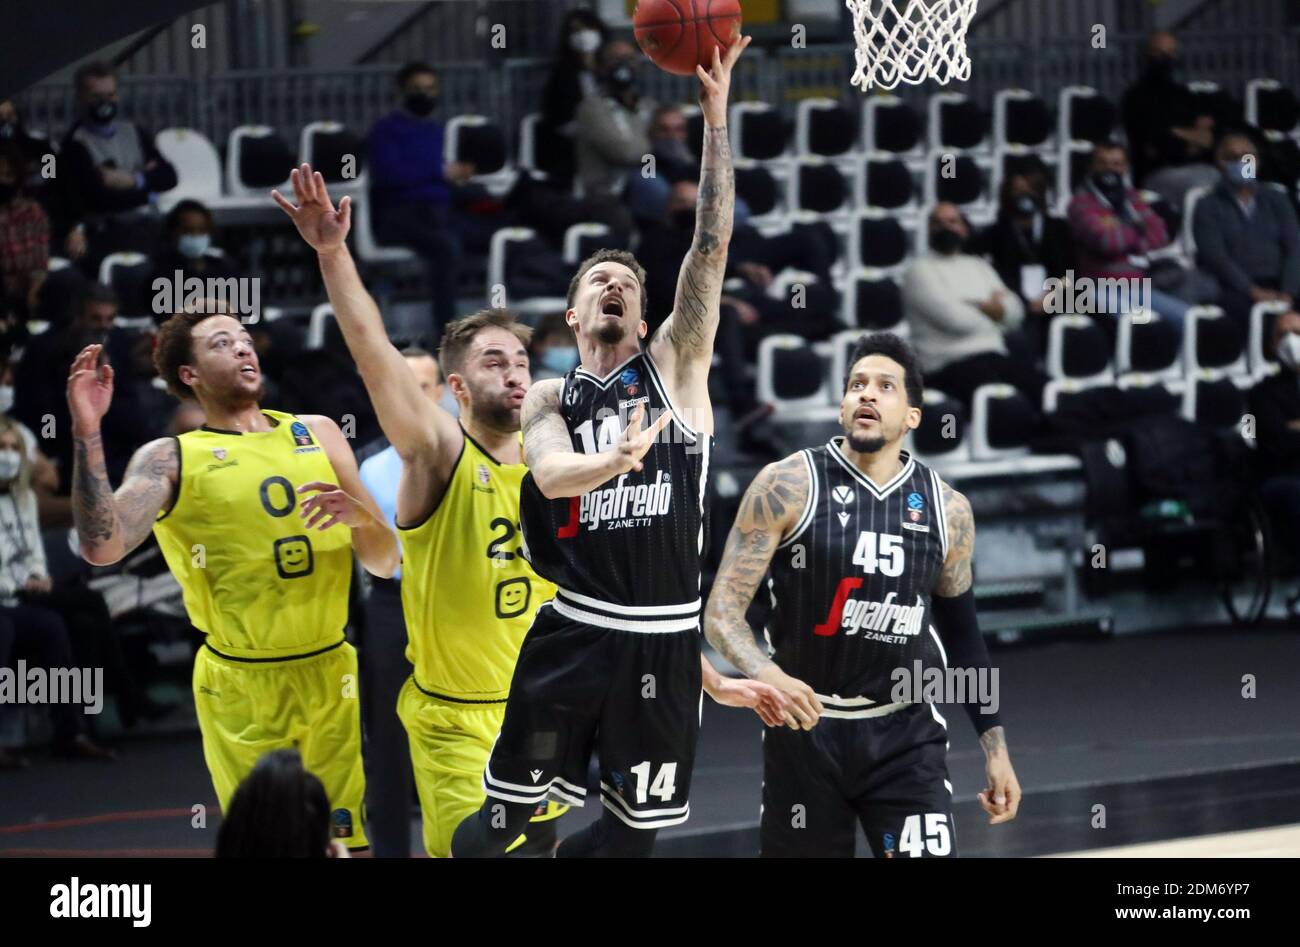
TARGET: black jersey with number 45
(851,583)
(628,552)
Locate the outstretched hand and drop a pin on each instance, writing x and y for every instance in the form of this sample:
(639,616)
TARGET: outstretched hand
(715,82)
(90,388)
(320,224)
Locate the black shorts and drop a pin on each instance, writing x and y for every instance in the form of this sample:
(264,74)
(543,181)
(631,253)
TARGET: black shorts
(634,697)
(888,773)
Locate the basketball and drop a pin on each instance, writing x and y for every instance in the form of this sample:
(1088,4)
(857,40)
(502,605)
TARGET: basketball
(678,35)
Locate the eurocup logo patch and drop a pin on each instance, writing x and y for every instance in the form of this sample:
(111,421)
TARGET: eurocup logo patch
(630,380)
(342,823)
(301,436)
(889,839)
(915,515)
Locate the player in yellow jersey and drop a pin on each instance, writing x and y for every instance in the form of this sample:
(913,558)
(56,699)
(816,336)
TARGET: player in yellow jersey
(468,593)
(244,509)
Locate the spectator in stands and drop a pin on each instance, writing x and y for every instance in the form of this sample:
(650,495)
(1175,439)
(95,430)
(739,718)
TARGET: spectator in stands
(1163,122)
(1114,230)
(24,238)
(189,231)
(553,350)
(963,318)
(30,629)
(110,170)
(612,131)
(572,79)
(411,187)
(1247,236)
(13,130)
(279,811)
(40,397)
(1275,403)
(646,192)
(55,510)
(1028,246)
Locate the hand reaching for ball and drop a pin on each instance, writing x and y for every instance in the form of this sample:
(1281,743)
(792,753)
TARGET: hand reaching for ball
(715,82)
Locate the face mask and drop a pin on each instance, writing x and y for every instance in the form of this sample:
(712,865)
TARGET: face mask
(672,150)
(421,104)
(1235,172)
(103,112)
(1162,68)
(9,463)
(1107,181)
(1026,205)
(8,192)
(193,245)
(1288,351)
(560,359)
(622,76)
(6,398)
(946,241)
(584,41)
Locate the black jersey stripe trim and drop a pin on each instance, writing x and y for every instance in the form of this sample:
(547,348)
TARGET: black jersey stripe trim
(880,493)
(658,382)
(613,373)
(288,657)
(940,517)
(448,697)
(810,505)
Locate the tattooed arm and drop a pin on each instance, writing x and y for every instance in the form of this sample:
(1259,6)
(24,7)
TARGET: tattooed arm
(954,618)
(557,468)
(683,346)
(111,524)
(770,508)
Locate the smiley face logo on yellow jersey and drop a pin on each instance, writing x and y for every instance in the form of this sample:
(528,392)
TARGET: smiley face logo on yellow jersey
(512,597)
(293,557)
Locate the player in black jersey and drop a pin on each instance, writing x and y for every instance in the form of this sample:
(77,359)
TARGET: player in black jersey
(870,555)
(613,514)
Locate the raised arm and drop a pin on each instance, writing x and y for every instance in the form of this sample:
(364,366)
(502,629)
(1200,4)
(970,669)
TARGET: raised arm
(557,468)
(952,609)
(415,426)
(109,525)
(770,508)
(686,337)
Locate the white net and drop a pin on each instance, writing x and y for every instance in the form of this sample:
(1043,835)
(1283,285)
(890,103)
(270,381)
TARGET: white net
(926,39)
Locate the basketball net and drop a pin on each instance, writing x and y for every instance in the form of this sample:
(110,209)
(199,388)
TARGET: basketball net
(927,40)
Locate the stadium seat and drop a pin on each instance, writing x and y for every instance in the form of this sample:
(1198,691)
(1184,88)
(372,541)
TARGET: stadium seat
(943,428)
(1070,394)
(257,159)
(197,164)
(956,123)
(758,131)
(1262,318)
(320,315)
(1212,341)
(497,270)
(824,127)
(1021,118)
(1001,419)
(1188,237)
(758,188)
(582,240)
(1272,107)
(126,273)
(1146,344)
(1078,348)
(954,178)
(818,185)
(872,300)
(877,241)
(363,232)
(1215,399)
(1071,169)
(791,379)
(526,156)
(1017,159)
(890,124)
(331,149)
(481,142)
(1084,115)
(887,183)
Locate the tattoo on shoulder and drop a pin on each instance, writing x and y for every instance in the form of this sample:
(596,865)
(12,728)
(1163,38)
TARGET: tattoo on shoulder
(543,426)
(956,576)
(778,491)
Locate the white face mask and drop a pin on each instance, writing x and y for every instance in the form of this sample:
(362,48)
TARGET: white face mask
(584,41)
(10,460)
(1288,350)
(6,398)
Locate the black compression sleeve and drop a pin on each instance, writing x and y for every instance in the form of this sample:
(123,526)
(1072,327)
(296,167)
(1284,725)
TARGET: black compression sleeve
(958,627)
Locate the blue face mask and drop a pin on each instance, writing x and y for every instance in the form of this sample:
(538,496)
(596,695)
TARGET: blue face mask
(193,245)
(1235,172)
(560,359)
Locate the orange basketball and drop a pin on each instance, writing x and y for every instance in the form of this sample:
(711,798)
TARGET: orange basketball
(678,35)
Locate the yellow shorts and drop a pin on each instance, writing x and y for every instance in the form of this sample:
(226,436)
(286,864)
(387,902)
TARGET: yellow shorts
(246,709)
(450,745)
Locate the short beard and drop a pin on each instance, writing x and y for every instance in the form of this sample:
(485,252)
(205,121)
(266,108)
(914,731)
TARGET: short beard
(866,445)
(493,414)
(610,333)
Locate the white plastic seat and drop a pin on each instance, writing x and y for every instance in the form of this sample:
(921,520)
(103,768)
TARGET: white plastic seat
(197,164)
(235,185)
(1260,365)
